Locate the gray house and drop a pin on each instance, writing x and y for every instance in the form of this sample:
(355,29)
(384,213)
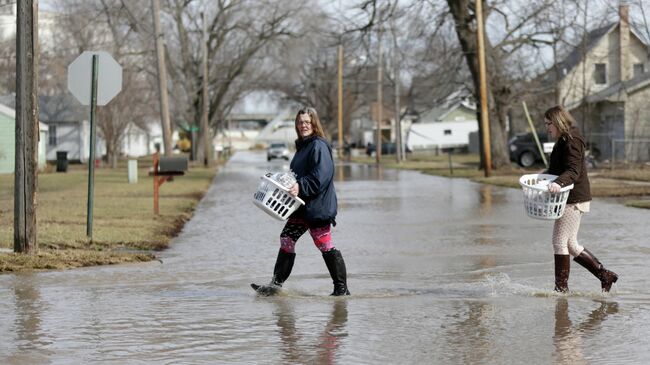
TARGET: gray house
(69,128)
(606,86)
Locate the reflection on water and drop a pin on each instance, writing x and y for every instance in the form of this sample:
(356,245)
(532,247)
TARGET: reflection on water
(469,330)
(567,338)
(329,337)
(28,323)
(485,199)
(357,172)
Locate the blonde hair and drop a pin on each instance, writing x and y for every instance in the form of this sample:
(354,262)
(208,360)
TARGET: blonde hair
(315,122)
(561,118)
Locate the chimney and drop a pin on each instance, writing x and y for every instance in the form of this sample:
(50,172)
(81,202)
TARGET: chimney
(624,41)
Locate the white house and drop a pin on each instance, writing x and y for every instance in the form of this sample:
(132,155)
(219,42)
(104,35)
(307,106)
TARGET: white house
(69,128)
(439,135)
(278,130)
(447,125)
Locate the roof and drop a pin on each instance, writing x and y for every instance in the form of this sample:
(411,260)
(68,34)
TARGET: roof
(575,56)
(54,108)
(11,113)
(61,108)
(447,104)
(621,88)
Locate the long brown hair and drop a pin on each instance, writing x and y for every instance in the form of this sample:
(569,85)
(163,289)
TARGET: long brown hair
(315,122)
(561,118)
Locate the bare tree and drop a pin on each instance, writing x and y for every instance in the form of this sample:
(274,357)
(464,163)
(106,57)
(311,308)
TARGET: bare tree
(521,31)
(240,34)
(108,25)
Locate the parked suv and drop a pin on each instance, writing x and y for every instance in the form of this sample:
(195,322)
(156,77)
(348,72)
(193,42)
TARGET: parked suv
(277,150)
(523,149)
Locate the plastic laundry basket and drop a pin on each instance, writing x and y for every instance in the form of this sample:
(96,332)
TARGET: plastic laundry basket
(538,201)
(274,199)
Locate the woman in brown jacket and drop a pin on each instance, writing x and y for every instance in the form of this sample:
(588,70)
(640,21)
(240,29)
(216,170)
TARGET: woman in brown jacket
(567,162)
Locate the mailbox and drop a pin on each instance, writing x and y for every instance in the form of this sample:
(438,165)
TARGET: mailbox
(176,165)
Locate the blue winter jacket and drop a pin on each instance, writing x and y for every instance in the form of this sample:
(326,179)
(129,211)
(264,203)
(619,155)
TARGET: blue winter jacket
(314,169)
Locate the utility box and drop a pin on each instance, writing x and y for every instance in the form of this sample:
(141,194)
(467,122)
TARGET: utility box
(175,165)
(133,171)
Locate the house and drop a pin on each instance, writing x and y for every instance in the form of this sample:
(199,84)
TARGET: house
(278,130)
(447,125)
(69,128)
(8,141)
(606,86)
(242,130)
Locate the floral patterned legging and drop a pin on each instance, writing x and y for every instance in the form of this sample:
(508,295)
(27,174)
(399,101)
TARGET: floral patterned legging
(296,227)
(565,232)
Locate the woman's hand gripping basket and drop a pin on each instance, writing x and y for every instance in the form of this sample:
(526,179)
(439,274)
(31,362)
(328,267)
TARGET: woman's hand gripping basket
(538,201)
(273,196)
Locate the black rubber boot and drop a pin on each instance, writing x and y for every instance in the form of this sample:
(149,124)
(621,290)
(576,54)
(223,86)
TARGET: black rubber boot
(281,272)
(562,269)
(591,263)
(336,267)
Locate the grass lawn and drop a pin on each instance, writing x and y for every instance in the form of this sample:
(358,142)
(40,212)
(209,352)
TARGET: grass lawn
(124,226)
(621,182)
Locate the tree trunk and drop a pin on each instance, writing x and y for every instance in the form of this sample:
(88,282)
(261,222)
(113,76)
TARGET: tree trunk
(465,30)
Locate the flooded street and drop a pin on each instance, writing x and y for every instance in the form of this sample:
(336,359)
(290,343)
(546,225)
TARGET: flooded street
(441,271)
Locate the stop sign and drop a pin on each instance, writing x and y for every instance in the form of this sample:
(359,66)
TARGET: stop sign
(109,78)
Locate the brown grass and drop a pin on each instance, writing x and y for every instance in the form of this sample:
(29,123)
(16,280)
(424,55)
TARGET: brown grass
(67,259)
(122,213)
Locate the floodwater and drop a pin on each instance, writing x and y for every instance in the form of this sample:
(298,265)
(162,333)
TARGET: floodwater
(441,271)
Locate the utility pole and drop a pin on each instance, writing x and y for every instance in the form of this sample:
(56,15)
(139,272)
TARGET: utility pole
(399,153)
(380,78)
(206,103)
(340,101)
(26,176)
(485,124)
(162,78)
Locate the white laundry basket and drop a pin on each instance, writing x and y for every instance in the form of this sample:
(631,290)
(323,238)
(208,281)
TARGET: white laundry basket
(538,201)
(274,199)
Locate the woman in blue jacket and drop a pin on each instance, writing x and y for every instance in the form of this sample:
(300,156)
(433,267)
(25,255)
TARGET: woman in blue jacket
(314,169)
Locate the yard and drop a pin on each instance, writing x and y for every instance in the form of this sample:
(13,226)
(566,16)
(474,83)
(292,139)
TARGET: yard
(124,226)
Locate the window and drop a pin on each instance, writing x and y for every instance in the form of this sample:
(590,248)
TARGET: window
(600,73)
(52,135)
(447,132)
(638,69)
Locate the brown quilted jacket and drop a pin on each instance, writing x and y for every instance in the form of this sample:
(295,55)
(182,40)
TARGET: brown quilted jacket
(568,162)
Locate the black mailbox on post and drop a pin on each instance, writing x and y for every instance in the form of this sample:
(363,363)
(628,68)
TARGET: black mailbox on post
(176,165)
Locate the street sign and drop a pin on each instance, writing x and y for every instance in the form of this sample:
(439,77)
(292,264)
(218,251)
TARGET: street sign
(109,79)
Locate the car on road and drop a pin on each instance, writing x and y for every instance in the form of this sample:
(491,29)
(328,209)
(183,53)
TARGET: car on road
(524,150)
(277,150)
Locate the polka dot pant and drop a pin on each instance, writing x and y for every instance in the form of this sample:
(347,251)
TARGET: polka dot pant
(565,232)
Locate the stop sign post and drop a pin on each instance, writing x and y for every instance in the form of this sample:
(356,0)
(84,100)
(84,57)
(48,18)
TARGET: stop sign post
(92,87)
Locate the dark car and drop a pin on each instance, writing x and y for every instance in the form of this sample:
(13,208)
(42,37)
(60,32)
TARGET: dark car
(524,150)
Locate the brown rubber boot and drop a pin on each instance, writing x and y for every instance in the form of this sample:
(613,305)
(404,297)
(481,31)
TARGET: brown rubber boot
(591,263)
(562,269)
